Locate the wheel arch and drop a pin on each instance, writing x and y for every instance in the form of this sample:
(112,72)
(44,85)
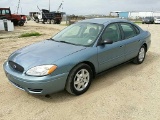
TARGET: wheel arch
(91,65)
(145,45)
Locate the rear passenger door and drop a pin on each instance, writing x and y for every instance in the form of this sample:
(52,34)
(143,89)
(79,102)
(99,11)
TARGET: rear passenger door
(131,38)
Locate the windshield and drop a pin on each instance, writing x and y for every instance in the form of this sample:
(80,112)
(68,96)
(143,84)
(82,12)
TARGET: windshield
(84,34)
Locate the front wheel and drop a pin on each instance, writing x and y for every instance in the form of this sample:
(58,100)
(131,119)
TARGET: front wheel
(37,20)
(141,55)
(79,79)
(20,23)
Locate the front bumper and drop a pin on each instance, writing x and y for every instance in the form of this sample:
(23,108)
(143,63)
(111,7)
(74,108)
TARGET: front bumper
(36,85)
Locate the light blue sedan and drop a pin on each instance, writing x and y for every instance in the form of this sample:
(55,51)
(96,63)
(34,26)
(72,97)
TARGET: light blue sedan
(73,57)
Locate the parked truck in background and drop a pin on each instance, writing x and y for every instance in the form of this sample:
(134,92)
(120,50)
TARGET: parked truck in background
(17,19)
(46,16)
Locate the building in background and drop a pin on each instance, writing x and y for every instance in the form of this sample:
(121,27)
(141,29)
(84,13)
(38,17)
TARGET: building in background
(124,15)
(135,14)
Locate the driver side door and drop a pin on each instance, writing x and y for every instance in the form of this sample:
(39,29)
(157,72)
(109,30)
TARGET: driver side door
(110,55)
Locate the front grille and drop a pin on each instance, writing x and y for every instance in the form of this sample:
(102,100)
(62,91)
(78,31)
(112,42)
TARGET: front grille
(16,66)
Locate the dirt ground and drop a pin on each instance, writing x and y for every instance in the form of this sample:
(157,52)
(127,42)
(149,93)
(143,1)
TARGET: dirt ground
(129,92)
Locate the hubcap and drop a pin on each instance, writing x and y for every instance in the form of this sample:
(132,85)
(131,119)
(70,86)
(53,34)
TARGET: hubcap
(141,54)
(81,80)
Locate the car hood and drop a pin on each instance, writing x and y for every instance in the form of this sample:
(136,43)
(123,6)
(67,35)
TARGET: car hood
(45,52)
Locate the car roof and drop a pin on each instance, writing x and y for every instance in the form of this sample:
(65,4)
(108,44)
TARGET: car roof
(104,20)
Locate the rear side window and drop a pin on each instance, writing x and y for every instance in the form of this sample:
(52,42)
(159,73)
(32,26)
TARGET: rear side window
(128,30)
(137,30)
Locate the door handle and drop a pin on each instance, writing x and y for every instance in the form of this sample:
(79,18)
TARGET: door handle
(121,46)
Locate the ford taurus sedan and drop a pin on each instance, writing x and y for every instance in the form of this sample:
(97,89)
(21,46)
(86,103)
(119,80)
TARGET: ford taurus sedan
(73,57)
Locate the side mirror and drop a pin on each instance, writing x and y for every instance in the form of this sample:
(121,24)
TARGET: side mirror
(106,42)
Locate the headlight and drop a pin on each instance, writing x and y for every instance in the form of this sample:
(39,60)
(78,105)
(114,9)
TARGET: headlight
(41,70)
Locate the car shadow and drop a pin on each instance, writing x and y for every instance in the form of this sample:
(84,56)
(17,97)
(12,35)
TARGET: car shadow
(105,79)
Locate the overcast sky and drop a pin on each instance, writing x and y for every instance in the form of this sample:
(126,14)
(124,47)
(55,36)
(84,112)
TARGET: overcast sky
(82,7)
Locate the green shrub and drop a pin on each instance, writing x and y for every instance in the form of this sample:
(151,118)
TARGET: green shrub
(30,34)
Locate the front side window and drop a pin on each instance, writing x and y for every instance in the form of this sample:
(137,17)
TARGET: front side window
(84,34)
(7,11)
(128,30)
(111,33)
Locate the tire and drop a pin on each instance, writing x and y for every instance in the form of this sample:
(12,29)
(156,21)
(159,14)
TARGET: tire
(49,21)
(54,22)
(20,23)
(141,55)
(58,22)
(79,79)
(37,20)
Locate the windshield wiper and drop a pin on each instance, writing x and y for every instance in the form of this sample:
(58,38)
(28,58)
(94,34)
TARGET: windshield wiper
(66,42)
(50,39)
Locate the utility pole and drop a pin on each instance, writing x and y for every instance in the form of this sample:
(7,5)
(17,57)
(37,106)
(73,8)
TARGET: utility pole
(49,5)
(18,6)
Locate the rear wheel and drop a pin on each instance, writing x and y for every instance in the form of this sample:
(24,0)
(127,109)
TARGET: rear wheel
(49,21)
(54,22)
(58,22)
(79,79)
(141,55)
